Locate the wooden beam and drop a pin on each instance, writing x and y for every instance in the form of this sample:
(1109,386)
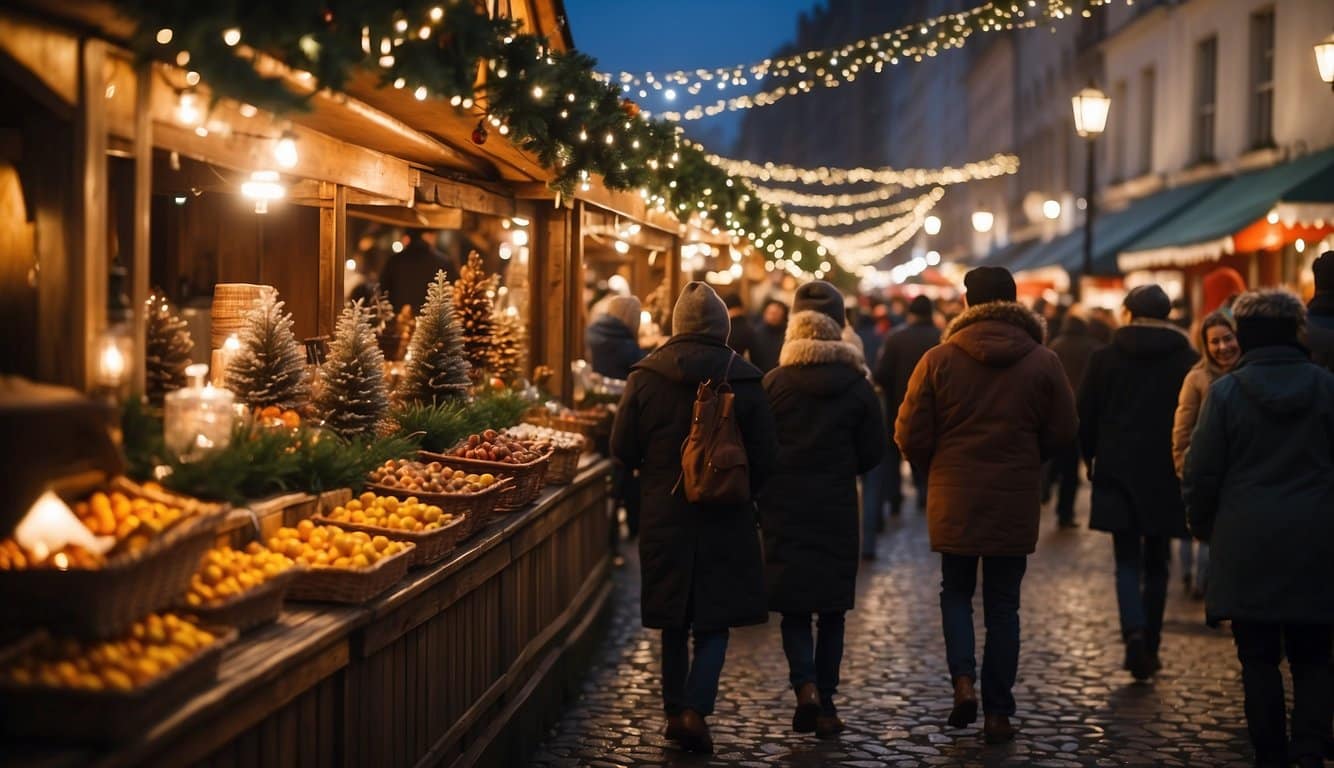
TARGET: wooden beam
(88,297)
(43,59)
(333,253)
(143,197)
(468,197)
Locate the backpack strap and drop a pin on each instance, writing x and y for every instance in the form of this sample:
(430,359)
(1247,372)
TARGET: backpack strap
(727,373)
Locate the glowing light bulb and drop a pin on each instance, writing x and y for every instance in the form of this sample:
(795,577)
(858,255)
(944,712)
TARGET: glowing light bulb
(231,36)
(164,36)
(621,246)
(284,151)
(263,187)
(1051,209)
(537,91)
(520,237)
(437,13)
(420,93)
(187,107)
(670,94)
(931,224)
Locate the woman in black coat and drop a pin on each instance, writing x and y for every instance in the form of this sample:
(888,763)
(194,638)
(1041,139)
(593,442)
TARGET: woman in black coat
(829,431)
(1259,486)
(1127,406)
(701,566)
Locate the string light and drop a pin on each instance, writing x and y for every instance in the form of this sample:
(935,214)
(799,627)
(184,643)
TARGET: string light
(846,218)
(231,36)
(262,187)
(997,165)
(284,150)
(187,107)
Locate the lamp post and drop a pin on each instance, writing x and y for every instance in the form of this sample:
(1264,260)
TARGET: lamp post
(1324,59)
(1091,107)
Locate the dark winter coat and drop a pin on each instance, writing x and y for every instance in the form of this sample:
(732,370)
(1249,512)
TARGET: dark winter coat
(1259,487)
(983,410)
(766,344)
(1320,329)
(741,335)
(1127,406)
(699,564)
(612,347)
(903,348)
(1074,346)
(829,431)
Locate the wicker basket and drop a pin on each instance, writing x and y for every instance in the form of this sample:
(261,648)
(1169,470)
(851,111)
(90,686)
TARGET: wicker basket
(64,716)
(564,465)
(528,478)
(231,302)
(346,585)
(249,609)
(104,602)
(431,546)
(475,508)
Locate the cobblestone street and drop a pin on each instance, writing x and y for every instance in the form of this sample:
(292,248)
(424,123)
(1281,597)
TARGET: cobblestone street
(1076,705)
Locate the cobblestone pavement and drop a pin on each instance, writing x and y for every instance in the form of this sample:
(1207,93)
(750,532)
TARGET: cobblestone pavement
(1076,706)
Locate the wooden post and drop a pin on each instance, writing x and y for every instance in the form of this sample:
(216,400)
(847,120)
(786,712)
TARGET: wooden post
(675,279)
(556,263)
(143,198)
(333,254)
(87,296)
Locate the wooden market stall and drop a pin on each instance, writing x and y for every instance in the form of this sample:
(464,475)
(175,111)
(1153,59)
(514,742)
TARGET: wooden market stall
(105,170)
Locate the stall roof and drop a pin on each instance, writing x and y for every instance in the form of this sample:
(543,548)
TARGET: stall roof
(1205,230)
(1007,255)
(1112,231)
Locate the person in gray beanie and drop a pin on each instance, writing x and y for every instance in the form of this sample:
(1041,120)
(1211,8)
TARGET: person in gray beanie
(700,565)
(1258,484)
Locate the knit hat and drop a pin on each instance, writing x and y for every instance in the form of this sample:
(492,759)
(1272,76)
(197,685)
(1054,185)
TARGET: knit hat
(1323,269)
(819,296)
(1148,301)
(626,309)
(987,284)
(699,311)
(921,306)
(1221,284)
(1268,319)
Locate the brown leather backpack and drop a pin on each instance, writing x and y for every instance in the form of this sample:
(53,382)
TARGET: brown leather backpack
(714,465)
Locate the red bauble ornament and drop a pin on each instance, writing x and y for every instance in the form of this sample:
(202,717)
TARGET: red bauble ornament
(480,134)
(630,108)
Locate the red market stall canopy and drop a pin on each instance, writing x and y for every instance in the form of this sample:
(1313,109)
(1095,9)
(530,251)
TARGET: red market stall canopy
(1243,215)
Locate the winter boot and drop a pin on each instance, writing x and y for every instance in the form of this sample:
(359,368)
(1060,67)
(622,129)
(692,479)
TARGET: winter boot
(808,709)
(965,703)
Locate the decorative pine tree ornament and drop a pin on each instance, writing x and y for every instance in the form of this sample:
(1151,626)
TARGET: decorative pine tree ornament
(354,397)
(270,368)
(436,370)
(474,301)
(505,358)
(166,351)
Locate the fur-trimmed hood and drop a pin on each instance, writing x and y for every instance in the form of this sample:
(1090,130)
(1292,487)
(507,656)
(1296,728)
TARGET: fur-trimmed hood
(997,333)
(813,338)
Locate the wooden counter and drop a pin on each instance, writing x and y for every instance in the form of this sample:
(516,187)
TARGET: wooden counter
(464,662)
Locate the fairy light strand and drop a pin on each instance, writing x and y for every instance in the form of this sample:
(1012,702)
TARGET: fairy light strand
(909,178)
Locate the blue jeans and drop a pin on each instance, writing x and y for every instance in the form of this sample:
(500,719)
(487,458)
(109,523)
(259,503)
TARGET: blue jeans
(1141,584)
(1001,577)
(814,660)
(686,685)
(873,506)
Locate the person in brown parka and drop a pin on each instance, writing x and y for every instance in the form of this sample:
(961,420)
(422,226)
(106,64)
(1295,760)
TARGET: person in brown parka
(982,412)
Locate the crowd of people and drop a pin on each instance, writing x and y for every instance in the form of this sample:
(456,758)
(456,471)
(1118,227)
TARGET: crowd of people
(1217,433)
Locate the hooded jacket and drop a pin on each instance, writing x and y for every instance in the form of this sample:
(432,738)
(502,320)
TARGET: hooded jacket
(1127,406)
(982,411)
(829,431)
(700,564)
(612,347)
(1259,487)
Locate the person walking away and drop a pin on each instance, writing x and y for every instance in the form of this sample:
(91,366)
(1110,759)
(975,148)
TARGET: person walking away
(828,419)
(767,341)
(1074,346)
(742,334)
(612,338)
(700,564)
(1218,342)
(982,411)
(1320,312)
(1126,408)
(899,355)
(1259,487)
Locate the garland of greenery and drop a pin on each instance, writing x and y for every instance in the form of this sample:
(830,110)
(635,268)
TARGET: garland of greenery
(439,427)
(549,103)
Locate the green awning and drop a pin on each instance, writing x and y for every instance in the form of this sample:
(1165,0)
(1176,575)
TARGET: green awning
(1204,231)
(1007,255)
(1113,230)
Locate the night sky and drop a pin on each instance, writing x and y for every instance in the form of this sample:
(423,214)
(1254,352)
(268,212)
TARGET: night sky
(641,36)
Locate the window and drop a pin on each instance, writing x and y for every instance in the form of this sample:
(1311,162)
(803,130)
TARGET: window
(1206,98)
(1262,79)
(1119,131)
(1147,93)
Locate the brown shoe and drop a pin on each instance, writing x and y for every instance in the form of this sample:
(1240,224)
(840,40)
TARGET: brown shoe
(674,729)
(965,703)
(996,729)
(808,709)
(695,736)
(828,726)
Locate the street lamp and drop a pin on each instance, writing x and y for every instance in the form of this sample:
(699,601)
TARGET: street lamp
(1091,107)
(1324,59)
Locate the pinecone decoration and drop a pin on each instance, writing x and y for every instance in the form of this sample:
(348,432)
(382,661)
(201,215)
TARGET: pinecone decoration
(167,350)
(354,396)
(436,369)
(270,368)
(474,296)
(505,359)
